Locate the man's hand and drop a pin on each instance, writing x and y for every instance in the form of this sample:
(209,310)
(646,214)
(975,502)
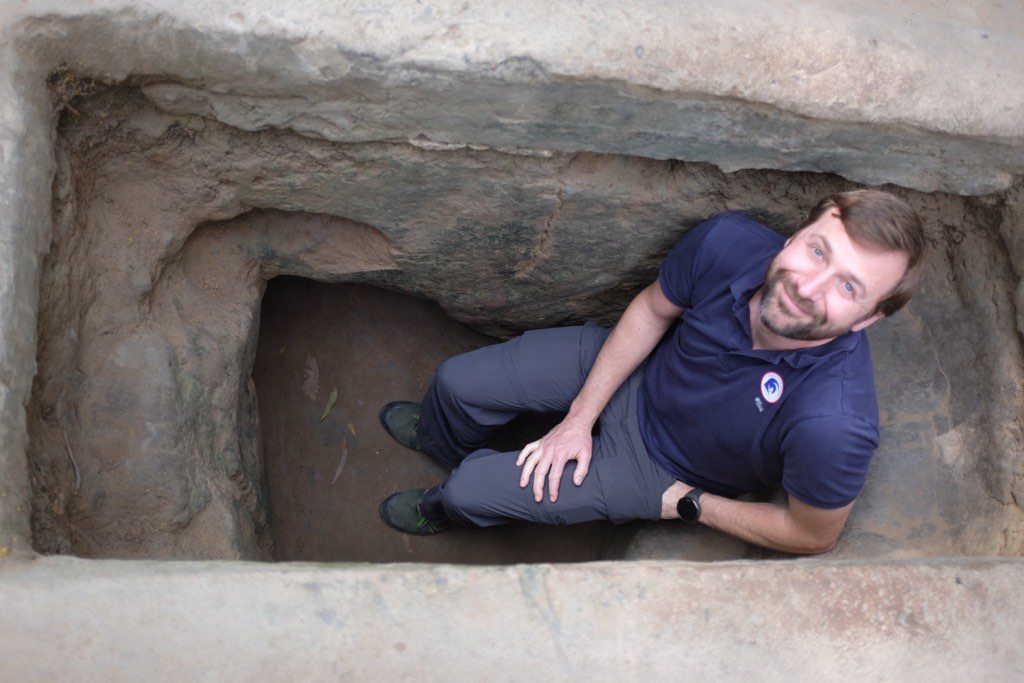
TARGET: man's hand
(546,459)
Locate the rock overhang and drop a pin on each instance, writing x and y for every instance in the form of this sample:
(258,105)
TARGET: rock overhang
(908,113)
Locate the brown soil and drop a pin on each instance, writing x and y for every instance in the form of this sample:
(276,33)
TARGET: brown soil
(326,477)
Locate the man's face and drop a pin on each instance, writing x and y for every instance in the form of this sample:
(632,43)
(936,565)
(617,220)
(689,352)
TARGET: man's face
(823,285)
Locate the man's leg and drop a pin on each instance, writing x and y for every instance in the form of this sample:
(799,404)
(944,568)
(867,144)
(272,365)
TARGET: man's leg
(623,483)
(474,393)
(484,491)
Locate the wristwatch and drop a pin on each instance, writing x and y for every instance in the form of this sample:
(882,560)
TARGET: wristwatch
(688,506)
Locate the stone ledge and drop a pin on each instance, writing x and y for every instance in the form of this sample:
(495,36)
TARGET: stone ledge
(873,94)
(842,61)
(923,620)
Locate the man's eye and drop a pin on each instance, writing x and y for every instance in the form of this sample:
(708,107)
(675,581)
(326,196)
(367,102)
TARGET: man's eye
(818,253)
(848,288)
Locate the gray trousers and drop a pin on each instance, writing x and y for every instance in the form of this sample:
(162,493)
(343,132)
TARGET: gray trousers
(542,371)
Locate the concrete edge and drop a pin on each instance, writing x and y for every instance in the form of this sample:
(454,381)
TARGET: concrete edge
(26,175)
(939,618)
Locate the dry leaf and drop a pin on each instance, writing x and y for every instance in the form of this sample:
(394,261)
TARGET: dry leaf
(331,400)
(341,464)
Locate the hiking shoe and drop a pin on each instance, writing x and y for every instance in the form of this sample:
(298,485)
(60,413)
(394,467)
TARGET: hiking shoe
(402,511)
(399,419)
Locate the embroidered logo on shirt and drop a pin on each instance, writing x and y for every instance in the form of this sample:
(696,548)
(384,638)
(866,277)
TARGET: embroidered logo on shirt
(771,386)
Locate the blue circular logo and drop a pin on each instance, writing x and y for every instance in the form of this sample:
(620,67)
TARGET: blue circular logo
(771,386)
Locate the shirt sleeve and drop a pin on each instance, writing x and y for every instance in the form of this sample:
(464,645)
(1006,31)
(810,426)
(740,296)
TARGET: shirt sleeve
(682,268)
(826,459)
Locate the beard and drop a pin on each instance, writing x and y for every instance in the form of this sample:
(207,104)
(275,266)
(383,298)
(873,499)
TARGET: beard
(779,319)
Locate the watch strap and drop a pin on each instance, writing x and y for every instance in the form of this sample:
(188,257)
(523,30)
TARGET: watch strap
(693,496)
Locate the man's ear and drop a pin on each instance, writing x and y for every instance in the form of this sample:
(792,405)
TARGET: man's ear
(857,327)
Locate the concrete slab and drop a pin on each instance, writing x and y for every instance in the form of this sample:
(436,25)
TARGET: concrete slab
(641,621)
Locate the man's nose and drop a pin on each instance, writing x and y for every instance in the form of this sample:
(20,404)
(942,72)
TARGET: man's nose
(812,285)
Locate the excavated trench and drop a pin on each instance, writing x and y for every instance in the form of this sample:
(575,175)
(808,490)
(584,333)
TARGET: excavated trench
(185,408)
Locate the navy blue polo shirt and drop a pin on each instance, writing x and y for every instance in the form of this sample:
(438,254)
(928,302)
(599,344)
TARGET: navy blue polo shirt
(717,414)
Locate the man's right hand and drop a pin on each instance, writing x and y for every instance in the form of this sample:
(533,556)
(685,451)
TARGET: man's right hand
(546,459)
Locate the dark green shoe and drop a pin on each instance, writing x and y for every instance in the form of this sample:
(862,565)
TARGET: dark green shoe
(402,511)
(399,419)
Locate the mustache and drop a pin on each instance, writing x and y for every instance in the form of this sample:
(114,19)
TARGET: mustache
(805,305)
(779,279)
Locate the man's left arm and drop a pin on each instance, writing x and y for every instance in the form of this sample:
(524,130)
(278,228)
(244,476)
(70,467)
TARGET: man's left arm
(793,528)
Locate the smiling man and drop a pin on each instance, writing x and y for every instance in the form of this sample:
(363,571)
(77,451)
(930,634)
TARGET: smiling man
(743,367)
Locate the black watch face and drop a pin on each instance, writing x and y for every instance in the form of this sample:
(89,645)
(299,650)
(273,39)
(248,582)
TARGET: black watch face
(688,510)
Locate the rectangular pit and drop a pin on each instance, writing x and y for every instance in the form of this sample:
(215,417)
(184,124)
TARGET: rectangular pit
(144,430)
(945,617)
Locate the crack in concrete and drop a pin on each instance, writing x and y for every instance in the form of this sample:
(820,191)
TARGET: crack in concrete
(528,583)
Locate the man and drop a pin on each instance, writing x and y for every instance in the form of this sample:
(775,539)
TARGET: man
(744,366)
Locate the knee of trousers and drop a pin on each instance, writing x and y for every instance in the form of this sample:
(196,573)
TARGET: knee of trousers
(455,382)
(465,500)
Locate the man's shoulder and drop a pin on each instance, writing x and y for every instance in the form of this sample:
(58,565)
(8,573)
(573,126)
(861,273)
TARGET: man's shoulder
(737,225)
(714,255)
(732,243)
(735,241)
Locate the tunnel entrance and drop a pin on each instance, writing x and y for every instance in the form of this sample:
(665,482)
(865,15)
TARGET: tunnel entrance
(328,463)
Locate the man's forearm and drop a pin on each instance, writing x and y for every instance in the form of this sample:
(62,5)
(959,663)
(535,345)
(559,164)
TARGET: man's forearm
(766,524)
(794,528)
(634,337)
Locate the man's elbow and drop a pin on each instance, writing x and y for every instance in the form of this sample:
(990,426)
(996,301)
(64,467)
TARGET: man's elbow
(813,539)
(815,530)
(820,548)
(817,544)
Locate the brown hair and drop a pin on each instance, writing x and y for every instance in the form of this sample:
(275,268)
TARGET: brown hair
(879,220)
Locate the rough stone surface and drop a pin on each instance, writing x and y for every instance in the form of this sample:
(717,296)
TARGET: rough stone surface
(876,95)
(802,621)
(600,118)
